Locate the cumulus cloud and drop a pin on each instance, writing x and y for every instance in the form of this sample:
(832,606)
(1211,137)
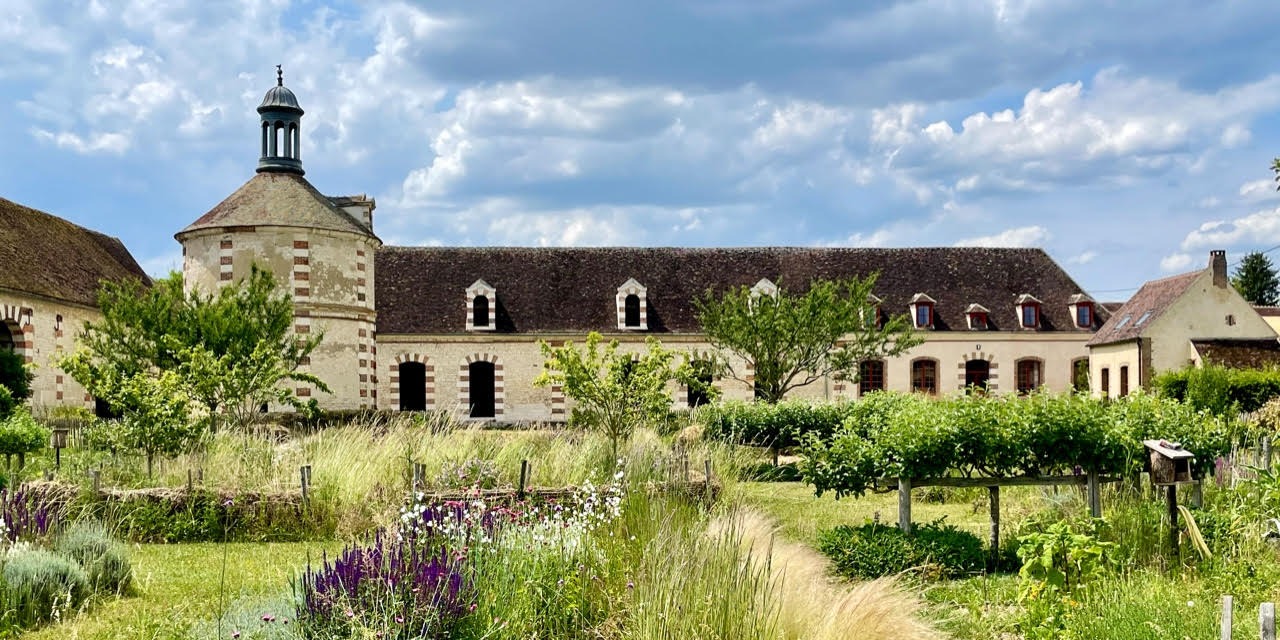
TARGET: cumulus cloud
(1175,262)
(94,143)
(1261,227)
(1083,258)
(1032,236)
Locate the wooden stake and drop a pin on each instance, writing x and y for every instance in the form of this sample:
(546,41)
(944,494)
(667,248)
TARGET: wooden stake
(97,481)
(1197,494)
(304,475)
(1171,501)
(904,504)
(1095,495)
(191,477)
(524,477)
(1267,621)
(994,499)
(1225,628)
(419,475)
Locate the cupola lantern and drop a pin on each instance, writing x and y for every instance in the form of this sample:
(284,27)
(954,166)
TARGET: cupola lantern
(281,134)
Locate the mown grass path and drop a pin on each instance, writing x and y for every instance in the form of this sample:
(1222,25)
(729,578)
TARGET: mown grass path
(180,584)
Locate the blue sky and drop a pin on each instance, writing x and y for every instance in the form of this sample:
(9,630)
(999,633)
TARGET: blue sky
(1127,138)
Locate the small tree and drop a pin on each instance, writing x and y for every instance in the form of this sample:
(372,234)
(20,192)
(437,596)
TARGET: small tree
(234,348)
(790,340)
(1256,280)
(614,391)
(20,434)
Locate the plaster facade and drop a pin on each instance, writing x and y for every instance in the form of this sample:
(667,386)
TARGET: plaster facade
(41,328)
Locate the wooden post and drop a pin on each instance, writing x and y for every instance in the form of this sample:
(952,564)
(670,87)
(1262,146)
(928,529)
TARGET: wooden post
(191,477)
(1197,494)
(1266,452)
(199,476)
(994,493)
(1095,495)
(97,481)
(1225,627)
(1171,501)
(1267,621)
(904,504)
(419,473)
(524,477)
(304,475)
(684,464)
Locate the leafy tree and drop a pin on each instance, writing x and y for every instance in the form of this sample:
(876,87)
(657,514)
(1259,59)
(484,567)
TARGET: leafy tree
(233,348)
(20,434)
(1256,280)
(615,391)
(7,402)
(790,340)
(15,374)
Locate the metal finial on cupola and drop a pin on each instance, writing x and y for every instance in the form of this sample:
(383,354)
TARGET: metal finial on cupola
(281,129)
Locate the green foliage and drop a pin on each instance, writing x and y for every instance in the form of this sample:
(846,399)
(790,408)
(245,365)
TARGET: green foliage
(1220,390)
(207,516)
(1056,564)
(104,559)
(1256,280)
(614,392)
(234,349)
(7,402)
(20,434)
(15,375)
(790,340)
(873,550)
(157,419)
(40,585)
(778,426)
(1005,436)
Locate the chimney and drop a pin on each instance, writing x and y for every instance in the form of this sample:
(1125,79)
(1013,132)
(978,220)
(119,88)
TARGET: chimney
(1218,265)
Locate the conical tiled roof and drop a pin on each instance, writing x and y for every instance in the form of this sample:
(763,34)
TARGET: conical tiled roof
(277,199)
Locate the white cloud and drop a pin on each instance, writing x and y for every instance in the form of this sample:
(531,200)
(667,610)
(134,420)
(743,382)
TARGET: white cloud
(1262,227)
(877,238)
(1032,236)
(1175,262)
(1236,135)
(1256,190)
(1083,258)
(95,143)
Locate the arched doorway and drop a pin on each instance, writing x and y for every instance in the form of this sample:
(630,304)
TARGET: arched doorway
(977,375)
(7,343)
(631,311)
(413,386)
(481,386)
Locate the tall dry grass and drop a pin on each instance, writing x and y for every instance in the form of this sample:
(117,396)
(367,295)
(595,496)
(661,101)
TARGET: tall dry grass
(811,605)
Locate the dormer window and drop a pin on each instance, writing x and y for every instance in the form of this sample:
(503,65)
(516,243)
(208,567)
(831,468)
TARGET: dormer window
(1081,310)
(922,311)
(977,316)
(765,287)
(1028,311)
(632,302)
(482,308)
(874,310)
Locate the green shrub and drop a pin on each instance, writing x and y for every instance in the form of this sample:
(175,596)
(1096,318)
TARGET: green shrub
(38,583)
(1220,390)
(104,558)
(20,434)
(873,550)
(7,402)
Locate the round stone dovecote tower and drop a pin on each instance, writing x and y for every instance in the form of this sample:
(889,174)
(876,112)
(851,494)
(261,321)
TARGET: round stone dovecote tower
(320,249)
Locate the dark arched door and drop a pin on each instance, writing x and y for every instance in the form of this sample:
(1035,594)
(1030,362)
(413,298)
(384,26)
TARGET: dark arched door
(480,378)
(6,337)
(631,311)
(977,373)
(413,386)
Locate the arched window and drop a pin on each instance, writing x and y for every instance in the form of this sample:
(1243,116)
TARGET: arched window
(1029,375)
(266,136)
(480,311)
(480,379)
(870,376)
(631,308)
(924,376)
(413,386)
(977,375)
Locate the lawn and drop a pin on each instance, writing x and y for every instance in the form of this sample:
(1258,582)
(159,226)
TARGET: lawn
(180,584)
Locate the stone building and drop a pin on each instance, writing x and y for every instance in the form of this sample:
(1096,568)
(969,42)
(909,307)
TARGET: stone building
(1179,321)
(458,328)
(48,289)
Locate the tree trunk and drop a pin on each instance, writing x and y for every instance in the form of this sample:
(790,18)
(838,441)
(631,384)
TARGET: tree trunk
(149,458)
(22,460)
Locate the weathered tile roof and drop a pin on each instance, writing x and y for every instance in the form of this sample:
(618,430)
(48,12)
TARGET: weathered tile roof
(421,289)
(1143,308)
(1241,353)
(45,255)
(277,199)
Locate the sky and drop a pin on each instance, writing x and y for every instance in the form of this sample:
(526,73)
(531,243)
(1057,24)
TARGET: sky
(1127,138)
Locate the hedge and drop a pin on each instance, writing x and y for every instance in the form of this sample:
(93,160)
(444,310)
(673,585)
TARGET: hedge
(1220,390)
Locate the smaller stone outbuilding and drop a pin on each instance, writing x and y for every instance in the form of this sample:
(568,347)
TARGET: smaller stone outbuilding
(52,269)
(1174,322)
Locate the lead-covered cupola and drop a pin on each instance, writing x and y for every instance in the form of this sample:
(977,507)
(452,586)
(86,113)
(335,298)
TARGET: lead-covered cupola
(281,130)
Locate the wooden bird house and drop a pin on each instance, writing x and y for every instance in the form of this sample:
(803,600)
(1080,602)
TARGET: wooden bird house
(1168,463)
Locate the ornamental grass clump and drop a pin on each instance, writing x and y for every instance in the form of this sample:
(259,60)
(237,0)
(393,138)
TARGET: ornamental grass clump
(40,586)
(103,558)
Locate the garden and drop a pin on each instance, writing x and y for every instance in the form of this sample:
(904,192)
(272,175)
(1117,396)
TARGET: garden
(190,513)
